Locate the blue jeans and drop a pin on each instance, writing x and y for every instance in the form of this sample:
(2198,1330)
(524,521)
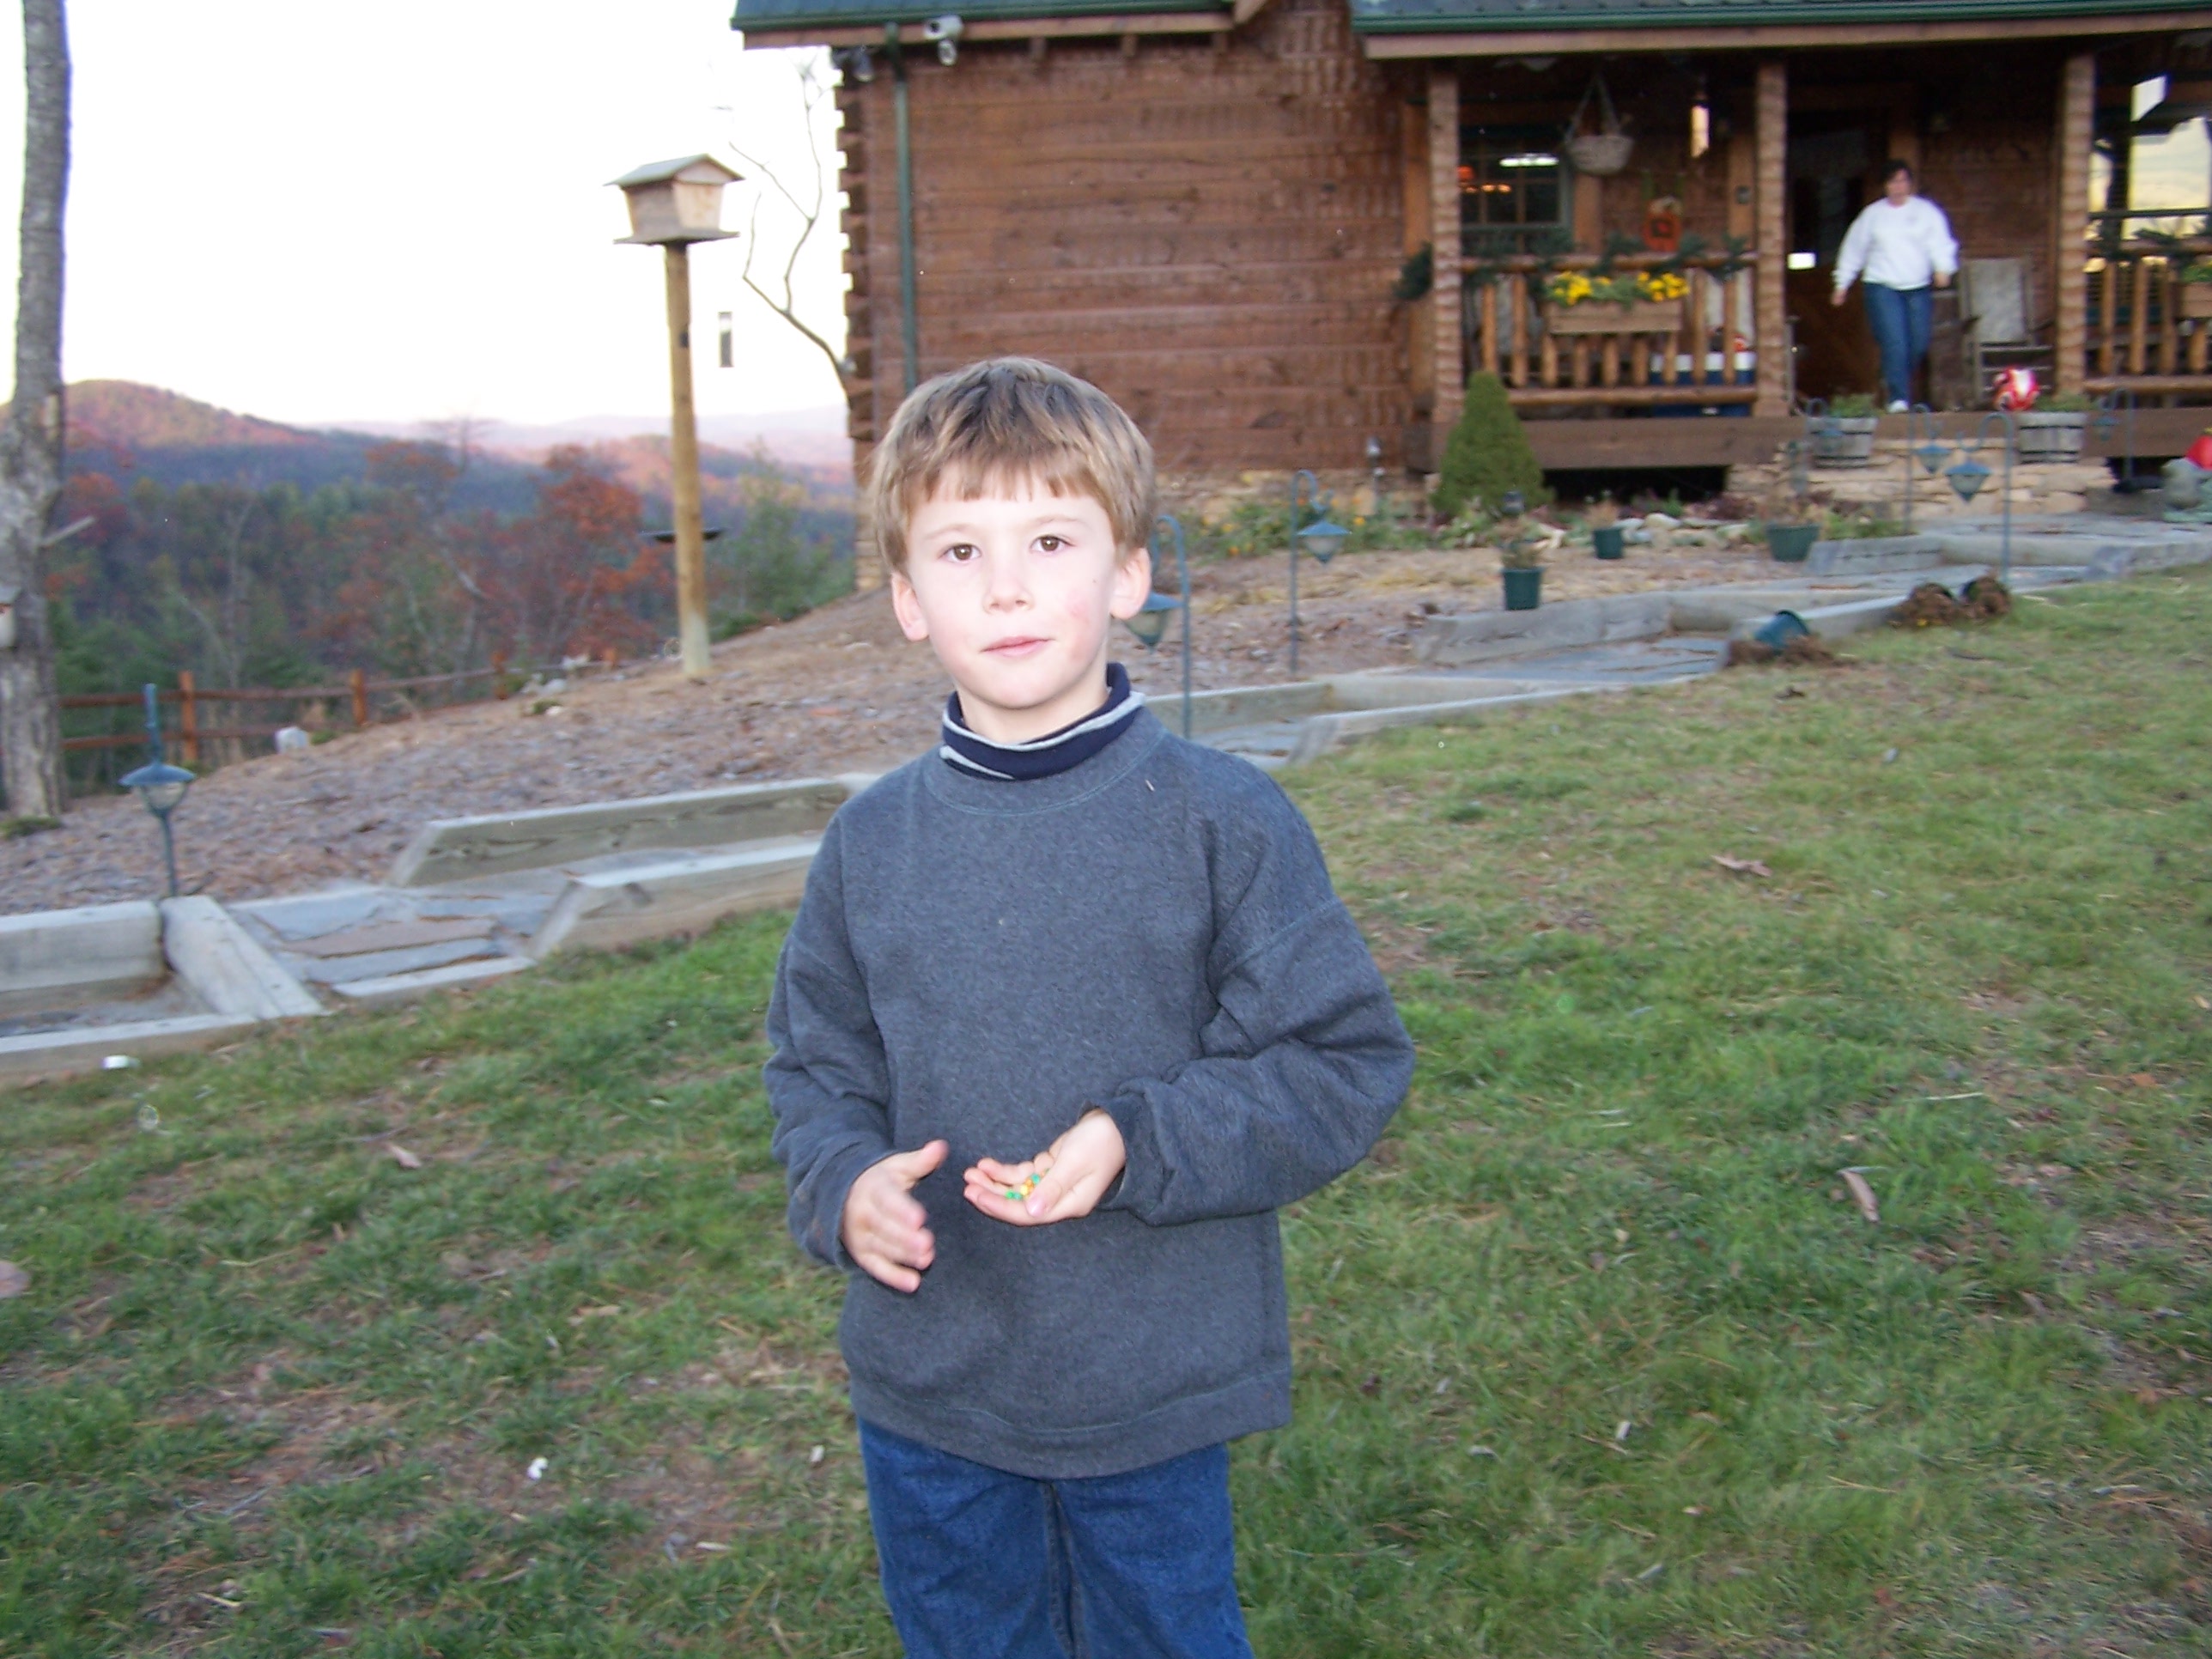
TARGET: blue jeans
(978,1563)
(1903,318)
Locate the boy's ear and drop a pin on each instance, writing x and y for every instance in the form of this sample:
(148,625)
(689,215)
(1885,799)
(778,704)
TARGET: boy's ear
(907,608)
(1132,583)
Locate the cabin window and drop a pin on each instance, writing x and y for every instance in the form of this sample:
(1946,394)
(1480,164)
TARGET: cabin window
(1512,190)
(2152,167)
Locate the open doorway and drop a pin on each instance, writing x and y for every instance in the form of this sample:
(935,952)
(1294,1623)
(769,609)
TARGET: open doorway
(1835,169)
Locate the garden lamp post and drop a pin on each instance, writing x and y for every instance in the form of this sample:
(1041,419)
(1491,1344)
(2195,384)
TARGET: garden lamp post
(1150,624)
(1968,476)
(673,204)
(159,785)
(1321,538)
(1920,421)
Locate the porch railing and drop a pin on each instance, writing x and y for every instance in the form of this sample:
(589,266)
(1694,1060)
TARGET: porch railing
(2148,328)
(1700,349)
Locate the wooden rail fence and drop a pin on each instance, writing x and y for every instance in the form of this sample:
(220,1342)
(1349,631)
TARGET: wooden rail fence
(2147,328)
(194,702)
(1697,351)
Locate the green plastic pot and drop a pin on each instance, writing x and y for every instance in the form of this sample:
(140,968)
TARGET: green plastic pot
(1791,543)
(1524,589)
(1608,541)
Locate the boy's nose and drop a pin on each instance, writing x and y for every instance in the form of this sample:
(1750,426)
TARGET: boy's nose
(1008,588)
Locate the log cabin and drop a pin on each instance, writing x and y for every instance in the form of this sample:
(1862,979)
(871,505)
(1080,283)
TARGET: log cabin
(1284,233)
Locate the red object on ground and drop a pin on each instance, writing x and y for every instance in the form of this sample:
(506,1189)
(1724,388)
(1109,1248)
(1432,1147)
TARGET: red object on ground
(2017,390)
(2200,450)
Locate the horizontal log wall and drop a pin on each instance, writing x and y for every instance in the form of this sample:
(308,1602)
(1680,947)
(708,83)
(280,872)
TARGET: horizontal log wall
(1208,231)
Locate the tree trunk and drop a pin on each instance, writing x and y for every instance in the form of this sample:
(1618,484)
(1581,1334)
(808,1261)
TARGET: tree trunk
(31,442)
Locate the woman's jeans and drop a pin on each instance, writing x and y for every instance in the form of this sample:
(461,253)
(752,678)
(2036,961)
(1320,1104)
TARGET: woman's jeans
(978,1563)
(1903,318)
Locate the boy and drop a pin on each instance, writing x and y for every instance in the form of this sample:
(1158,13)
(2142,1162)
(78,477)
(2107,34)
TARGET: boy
(1101,973)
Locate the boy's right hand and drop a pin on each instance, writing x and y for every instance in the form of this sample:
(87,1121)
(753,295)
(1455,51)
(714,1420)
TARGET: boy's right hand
(884,1227)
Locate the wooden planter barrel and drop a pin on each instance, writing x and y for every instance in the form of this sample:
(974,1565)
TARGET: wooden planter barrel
(2050,435)
(1604,317)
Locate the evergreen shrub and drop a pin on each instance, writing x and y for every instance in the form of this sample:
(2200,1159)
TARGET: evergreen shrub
(1488,454)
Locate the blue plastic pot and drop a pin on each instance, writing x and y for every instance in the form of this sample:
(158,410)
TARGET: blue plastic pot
(1778,630)
(1608,541)
(1791,543)
(1524,589)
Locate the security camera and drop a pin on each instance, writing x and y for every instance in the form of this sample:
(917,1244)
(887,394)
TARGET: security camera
(947,53)
(946,27)
(855,63)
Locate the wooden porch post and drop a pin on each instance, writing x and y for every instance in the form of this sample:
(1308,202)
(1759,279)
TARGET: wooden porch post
(1770,306)
(2069,284)
(1443,225)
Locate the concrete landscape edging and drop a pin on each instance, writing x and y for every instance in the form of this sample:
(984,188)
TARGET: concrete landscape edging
(459,849)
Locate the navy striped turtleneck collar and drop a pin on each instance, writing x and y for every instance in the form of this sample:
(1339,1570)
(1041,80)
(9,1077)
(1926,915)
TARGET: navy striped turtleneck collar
(1040,757)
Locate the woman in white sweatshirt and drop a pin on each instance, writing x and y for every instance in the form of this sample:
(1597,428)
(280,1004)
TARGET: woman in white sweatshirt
(1900,243)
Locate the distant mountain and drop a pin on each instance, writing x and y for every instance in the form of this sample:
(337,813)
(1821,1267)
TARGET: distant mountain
(123,414)
(808,438)
(130,431)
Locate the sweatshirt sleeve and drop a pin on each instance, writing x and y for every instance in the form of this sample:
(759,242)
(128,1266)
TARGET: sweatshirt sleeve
(1302,1065)
(1857,241)
(1942,246)
(827,1080)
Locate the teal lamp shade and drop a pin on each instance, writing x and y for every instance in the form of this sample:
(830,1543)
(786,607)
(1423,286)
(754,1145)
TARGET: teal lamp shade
(161,786)
(1931,457)
(1513,504)
(1321,538)
(1967,479)
(1150,624)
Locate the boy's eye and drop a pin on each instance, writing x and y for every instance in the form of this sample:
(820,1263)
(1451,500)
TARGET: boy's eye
(1050,544)
(960,552)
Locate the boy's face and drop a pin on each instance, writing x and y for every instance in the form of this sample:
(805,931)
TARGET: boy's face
(1018,591)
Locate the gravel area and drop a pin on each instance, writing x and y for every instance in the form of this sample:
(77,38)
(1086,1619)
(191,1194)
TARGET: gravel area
(836,690)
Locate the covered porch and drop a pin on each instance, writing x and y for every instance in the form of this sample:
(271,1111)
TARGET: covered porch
(1753,146)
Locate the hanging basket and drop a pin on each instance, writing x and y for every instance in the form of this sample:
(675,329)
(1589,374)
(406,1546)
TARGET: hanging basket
(1605,152)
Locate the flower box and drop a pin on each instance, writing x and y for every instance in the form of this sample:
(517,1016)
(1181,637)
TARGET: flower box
(2197,300)
(1607,316)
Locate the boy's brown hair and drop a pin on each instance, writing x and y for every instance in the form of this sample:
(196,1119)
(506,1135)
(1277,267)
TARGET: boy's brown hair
(1002,421)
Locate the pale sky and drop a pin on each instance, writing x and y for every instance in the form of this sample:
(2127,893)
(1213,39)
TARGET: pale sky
(313,211)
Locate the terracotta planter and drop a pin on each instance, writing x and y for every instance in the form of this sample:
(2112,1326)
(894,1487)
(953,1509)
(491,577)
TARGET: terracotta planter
(1844,441)
(1604,317)
(2051,434)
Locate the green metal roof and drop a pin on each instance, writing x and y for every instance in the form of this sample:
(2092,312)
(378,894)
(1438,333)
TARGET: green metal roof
(1383,16)
(849,14)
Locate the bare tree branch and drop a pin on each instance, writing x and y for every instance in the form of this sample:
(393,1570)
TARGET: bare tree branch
(812,92)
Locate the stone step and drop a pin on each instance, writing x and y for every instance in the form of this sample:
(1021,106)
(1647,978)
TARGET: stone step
(390,988)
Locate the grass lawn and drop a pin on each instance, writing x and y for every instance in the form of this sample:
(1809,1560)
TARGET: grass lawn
(1597,1355)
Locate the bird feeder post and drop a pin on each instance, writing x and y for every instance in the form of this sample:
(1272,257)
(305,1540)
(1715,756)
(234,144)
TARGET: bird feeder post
(683,467)
(671,205)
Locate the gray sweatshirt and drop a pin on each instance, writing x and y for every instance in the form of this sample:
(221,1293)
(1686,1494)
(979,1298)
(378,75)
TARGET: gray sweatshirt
(1153,932)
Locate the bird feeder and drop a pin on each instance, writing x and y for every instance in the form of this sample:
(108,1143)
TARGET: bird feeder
(8,617)
(673,204)
(676,202)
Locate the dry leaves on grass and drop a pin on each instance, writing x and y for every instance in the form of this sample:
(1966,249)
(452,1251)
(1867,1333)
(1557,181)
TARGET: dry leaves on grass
(1736,866)
(402,1156)
(14,1281)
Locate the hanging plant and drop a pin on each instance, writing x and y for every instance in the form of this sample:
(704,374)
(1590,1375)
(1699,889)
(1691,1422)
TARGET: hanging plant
(1605,152)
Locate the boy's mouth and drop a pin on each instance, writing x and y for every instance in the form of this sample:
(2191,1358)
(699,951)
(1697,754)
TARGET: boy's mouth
(1023,645)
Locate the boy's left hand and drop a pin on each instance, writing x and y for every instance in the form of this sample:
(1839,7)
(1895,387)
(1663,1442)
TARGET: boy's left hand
(1072,1174)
